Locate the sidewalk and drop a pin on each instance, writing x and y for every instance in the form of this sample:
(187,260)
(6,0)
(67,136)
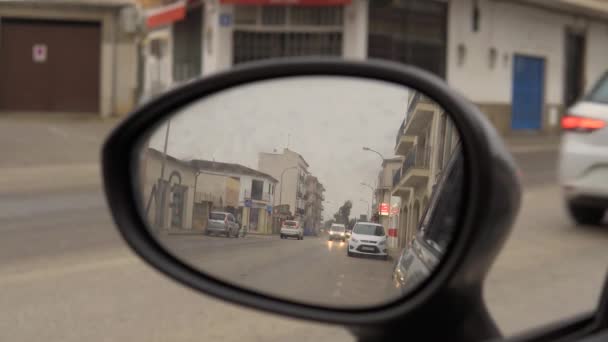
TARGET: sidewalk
(532,142)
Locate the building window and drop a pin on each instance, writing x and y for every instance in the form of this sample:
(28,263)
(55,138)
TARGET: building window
(257,188)
(274,15)
(317,16)
(411,32)
(263,32)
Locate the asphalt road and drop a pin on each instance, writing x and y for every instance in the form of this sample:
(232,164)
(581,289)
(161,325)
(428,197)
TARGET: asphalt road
(313,270)
(65,275)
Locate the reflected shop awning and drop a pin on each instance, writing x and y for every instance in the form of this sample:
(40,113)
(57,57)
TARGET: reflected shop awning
(167,14)
(288,2)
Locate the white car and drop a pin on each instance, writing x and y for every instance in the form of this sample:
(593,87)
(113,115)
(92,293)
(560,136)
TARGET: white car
(368,238)
(292,229)
(337,232)
(583,162)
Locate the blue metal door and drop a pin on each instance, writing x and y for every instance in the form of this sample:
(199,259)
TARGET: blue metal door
(528,89)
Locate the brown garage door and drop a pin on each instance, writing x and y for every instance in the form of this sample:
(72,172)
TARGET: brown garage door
(49,66)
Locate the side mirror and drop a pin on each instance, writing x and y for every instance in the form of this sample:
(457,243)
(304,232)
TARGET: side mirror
(266,124)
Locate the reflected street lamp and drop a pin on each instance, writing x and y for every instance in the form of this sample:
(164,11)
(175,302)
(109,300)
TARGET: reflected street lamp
(376,152)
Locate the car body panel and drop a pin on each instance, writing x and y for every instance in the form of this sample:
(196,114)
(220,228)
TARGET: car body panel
(227,227)
(292,231)
(337,232)
(583,157)
(368,244)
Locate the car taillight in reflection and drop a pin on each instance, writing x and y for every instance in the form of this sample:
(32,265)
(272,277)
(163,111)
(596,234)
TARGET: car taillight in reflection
(581,124)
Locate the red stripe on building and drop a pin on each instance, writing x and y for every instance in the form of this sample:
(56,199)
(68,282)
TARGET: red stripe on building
(288,2)
(166,15)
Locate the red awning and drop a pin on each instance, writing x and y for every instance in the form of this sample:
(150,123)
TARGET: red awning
(288,2)
(166,15)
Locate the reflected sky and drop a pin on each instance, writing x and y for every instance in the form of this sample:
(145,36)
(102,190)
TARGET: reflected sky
(326,119)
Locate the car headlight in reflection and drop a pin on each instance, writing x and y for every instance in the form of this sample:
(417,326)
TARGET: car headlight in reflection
(353,239)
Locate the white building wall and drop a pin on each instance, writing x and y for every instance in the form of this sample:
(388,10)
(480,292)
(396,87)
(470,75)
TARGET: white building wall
(217,39)
(515,29)
(510,29)
(354,38)
(158,69)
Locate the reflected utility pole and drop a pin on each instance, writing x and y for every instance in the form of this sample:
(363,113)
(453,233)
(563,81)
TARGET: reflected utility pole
(162,199)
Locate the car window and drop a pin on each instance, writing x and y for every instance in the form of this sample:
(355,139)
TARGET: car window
(440,218)
(337,229)
(218,216)
(368,229)
(290,223)
(599,93)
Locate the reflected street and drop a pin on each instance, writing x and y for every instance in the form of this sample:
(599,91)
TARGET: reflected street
(310,268)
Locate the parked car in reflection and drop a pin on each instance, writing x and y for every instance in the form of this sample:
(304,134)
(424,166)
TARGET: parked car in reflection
(292,229)
(222,223)
(422,254)
(368,239)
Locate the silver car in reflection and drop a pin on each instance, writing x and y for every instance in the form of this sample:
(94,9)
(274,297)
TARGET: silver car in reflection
(222,223)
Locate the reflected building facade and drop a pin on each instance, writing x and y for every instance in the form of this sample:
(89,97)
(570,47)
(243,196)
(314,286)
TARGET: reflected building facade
(424,142)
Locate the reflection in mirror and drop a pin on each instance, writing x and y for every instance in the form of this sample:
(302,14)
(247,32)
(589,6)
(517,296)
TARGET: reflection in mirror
(332,191)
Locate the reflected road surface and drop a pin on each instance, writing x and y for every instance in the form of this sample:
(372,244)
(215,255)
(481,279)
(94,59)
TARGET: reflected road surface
(313,270)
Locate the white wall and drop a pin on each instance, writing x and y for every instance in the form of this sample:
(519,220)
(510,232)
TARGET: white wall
(511,29)
(354,39)
(514,29)
(155,67)
(246,186)
(217,40)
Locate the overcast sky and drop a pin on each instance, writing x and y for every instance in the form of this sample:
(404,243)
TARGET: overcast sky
(328,120)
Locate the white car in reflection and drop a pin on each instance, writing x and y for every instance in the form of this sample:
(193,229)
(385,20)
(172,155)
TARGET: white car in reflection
(368,238)
(292,229)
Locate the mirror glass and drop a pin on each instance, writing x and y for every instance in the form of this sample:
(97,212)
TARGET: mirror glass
(332,191)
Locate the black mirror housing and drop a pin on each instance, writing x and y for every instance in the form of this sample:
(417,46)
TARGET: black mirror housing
(492,198)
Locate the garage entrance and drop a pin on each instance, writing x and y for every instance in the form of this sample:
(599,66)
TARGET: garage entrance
(49,66)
